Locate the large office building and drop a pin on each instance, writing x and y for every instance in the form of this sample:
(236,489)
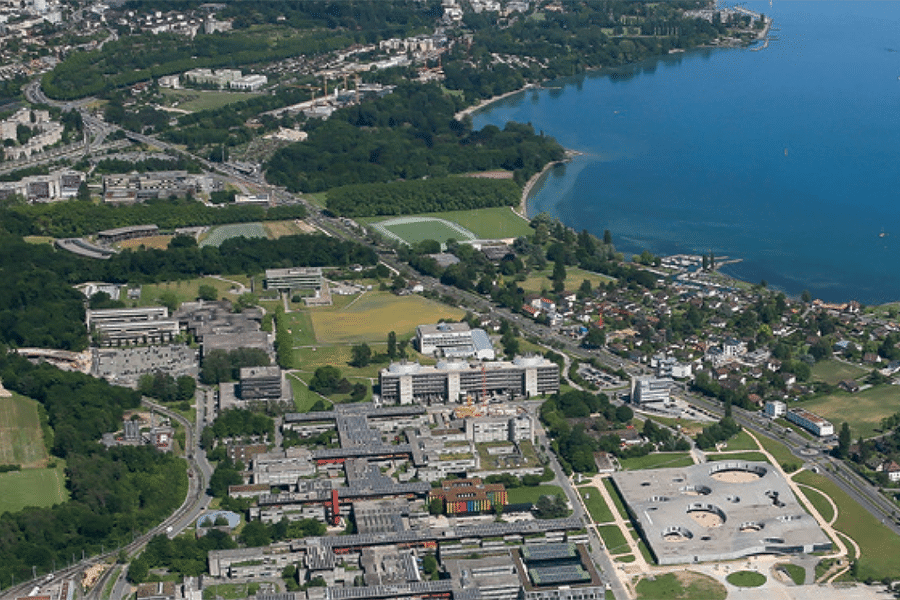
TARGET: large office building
(454,340)
(810,421)
(454,381)
(296,278)
(645,390)
(261,383)
(123,326)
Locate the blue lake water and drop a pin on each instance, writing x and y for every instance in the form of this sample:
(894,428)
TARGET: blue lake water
(786,157)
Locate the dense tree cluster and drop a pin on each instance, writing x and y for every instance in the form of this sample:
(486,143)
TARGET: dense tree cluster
(221,365)
(184,555)
(118,165)
(421,196)
(409,134)
(113,493)
(72,219)
(717,432)
(166,388)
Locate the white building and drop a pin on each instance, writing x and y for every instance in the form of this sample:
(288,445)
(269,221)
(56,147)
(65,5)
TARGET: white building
(454,340)
(647,389)
(500,429)
(669,367)
(249,83)
(810,421)
(733,348)
(775,408)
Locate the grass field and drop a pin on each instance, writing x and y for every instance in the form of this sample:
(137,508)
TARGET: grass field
(617,500)
(485,223)
(741,441)
(683,585)
(795,572)
(738,456)
(197,100)
(413,233)
(540,280)
(160,242)
(38,239)
(219,234)
(527,494)
(371,316)
(33,487)
(187,290)
(746,579)
(596,505)
(863,411)
(657,460)
(613,539)
(834,371)
(779,451)
(277,229)
(818,500)
(21,438)
(879,547)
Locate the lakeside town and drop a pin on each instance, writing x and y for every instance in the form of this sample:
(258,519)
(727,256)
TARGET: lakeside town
(238,364)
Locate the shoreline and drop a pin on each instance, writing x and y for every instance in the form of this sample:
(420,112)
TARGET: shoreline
(487,101)
(522,209)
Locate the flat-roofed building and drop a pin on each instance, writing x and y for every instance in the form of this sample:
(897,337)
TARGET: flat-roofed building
(261,383)
(249,83)
(775,408)
(295,278)
(810,421)
(461,496)
(122,326)
(453,381)
(127,233)
(645,390)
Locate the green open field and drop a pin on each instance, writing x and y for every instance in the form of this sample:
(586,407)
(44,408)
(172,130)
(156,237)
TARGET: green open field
(779,451)
(526,494)
(187,290)
(817,499)
(413,233)
(197,100)
(220,233)
(613,539)
(617,500)
(863,411)
(21,438)
(33,487)
(485,223)
(879,547)
(683,585)
(738,456)
(596,505)
(741,441)
(540,280)
(834,371)
(746,579)
(657,460)
(371,316)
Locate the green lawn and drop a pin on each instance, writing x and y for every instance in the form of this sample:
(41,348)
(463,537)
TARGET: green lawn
(879,547)
(795,572)
(817,499)
(301,327)
(596,505)
(738,456)
(626,558)
(683,585)
(741,441)
(303,397)
(219,234)
(374,314)
(781,452)
(834,371)
(527,494)
(21,438)
(197,100)
(186,290)
(657,460)
(540,280)
(485,223)
(617,500)
(413,233)
(613,539)
(863,411)
(746,579)
(33,487)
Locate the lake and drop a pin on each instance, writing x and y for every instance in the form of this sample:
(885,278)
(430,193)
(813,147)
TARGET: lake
(786,158)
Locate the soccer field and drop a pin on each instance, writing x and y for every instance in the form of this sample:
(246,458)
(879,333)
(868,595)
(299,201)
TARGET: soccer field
(416,229)
(219,234)
(483,223)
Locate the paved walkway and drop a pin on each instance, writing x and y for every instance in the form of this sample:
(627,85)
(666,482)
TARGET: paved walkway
(640,564)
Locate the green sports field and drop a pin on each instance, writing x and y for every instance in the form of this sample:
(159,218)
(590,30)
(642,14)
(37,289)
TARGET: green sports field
(32,487)
(21,439)
(219,234)
(485,223)
(413,233)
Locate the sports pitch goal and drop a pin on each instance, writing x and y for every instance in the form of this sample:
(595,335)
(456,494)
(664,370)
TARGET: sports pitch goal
(411,230)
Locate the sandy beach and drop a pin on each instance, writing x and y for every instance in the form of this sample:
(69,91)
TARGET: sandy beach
(522,211)
(467,111)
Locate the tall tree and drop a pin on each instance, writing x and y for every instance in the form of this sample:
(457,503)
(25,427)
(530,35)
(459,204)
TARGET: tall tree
(844,439)
(392,345)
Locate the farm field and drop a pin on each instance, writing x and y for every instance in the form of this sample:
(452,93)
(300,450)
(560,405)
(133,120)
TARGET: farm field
(187,289)
(863,411)
(33,487)
(197,100)
(879,546)
(369,318)
(277,229)
(219,234)
(540,280)
(21,438)
(485,223)
(160,242)
(657,460)
(834,371)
